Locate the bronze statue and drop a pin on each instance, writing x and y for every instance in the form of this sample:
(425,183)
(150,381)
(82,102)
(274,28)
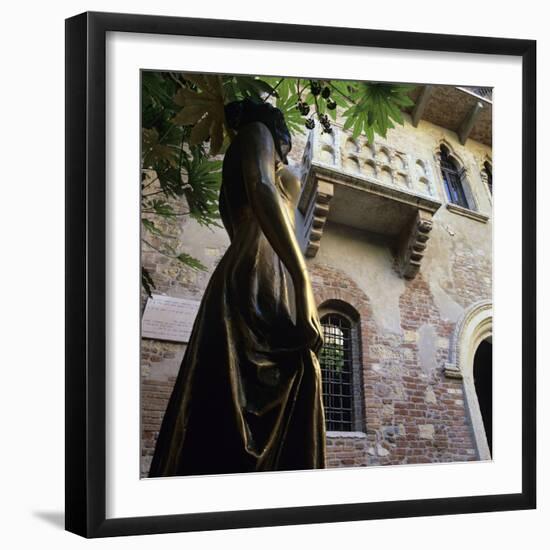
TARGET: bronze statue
(248,394)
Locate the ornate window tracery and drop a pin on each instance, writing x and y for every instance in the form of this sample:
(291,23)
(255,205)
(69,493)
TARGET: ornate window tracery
(452,179)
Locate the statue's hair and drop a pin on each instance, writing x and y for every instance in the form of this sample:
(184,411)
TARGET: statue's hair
(245,111)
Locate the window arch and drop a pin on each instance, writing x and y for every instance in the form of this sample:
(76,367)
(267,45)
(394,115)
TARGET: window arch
(452,175)
(340,361)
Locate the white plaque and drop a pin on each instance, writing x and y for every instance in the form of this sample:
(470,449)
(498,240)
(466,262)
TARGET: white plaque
(167,318)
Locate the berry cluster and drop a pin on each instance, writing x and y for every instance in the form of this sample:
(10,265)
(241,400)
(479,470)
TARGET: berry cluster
(317,89)
(303,107)
(325,123)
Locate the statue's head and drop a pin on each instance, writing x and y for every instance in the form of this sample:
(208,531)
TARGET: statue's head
(239,113)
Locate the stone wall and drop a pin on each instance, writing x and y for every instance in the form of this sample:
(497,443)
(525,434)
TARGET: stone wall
(413,413)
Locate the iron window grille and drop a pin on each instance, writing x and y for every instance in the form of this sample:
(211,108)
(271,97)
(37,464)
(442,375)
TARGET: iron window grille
(337,373)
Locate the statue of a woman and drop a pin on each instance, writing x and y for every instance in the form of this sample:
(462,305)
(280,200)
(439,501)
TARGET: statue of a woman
(248,394)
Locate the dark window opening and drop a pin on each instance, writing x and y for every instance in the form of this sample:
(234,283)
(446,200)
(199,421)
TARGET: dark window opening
(452,179)
(483,381)
(337,373)
(489,172)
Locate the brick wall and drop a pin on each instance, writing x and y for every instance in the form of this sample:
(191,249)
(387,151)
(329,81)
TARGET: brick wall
(411,415)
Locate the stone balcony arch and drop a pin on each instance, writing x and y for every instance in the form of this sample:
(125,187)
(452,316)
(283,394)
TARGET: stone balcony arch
(400,162)
(383,155)
(327,154)
(351,146)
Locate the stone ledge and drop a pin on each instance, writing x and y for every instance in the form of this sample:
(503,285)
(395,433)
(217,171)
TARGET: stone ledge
(451,370)
(375,187)
(413,244)
(472,214)
(340,435)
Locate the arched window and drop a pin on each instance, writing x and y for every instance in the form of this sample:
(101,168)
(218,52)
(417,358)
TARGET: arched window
(452,179)
(336,367)
(340,368)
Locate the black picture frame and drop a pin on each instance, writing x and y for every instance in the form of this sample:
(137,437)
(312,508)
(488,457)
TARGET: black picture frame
(86,279)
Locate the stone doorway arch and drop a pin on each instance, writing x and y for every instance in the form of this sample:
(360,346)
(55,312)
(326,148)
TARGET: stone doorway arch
(475,327)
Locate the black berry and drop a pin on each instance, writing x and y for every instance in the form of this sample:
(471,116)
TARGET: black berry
(315,87)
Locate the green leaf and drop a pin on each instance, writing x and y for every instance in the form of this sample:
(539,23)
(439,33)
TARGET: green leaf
(191,262)
(201,187)
(358,126)
(369,131)
(152,228)
(163,209)
(294,120)
(340,93)
(350,121)
(254,88)
(146,281)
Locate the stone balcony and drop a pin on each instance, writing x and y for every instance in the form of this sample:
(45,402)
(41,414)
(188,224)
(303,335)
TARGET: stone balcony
(371,187)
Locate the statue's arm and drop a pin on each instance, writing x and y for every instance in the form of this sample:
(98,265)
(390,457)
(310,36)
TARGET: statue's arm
(258,166)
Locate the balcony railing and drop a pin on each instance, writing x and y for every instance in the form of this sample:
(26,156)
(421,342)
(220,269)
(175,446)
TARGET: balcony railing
(484,93)
(378,163)
(371,187)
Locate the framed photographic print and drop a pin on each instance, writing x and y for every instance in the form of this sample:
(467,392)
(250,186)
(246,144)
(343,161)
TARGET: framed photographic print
(300,274)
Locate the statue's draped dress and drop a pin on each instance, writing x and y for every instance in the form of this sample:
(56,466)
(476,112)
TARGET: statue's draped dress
(248,393)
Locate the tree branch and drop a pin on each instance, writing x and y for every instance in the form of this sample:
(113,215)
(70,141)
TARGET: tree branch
(172,256)
(151,194)
(341,93)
